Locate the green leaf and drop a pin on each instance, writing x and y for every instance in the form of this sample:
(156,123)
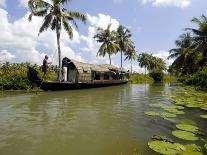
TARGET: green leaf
(203,116)
(187,127)
(151,113)
(185,135)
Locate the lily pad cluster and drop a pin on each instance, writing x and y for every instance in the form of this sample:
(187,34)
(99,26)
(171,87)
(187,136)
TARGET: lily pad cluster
(164,145)
(190,98)
(171,111)
(187,132)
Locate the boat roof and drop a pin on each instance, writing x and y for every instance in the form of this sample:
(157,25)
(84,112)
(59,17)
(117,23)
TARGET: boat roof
(96,67)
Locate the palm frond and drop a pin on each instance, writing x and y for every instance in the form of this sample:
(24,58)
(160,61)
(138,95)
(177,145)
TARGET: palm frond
(46,23)
(68,28)
(77,15)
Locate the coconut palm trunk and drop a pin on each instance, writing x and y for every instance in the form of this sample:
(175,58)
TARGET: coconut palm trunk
(110,59)
(121,58)
(59,50)
(131,65)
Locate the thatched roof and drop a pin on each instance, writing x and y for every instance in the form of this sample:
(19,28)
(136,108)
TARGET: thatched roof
(93,67)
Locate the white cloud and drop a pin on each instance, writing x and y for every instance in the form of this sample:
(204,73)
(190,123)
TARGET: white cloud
(164,3)
(23,3)
(3,3)
(22,37)
(164,54)
(6,56)
(92,46)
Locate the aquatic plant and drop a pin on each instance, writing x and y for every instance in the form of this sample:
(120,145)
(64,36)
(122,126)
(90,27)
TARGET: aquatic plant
(168,115)
(187,127)
(203,116)
(185,135)
(164,145)
(151,113)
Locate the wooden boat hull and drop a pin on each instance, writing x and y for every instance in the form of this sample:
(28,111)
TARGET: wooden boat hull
(55,85)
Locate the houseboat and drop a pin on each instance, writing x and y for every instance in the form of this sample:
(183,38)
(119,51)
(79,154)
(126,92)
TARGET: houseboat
(82,76)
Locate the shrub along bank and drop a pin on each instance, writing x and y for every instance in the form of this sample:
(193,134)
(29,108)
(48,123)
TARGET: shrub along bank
(14,76)
(141,78)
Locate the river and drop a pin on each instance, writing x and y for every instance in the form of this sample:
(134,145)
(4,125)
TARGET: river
(103,121)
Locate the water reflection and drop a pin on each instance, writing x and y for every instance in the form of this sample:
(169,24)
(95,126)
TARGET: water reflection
(104,121)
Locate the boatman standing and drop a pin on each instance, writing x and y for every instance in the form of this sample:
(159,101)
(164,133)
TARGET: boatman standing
(44,66)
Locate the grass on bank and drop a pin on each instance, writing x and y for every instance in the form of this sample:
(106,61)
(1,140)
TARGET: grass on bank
(137,78)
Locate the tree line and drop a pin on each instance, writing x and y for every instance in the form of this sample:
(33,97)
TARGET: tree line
(56,17)
(190,54)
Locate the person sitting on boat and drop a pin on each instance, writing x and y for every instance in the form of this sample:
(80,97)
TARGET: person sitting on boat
(45,66)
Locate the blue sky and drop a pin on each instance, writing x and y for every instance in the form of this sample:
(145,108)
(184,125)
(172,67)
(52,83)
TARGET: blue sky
(155,25)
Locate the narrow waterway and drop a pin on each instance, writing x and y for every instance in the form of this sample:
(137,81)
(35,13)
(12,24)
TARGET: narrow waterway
(103,121)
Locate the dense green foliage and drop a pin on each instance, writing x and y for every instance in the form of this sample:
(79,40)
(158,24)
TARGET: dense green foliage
(141,78)
(157,75)
(150,62)
(14,76)
(190,55)
(198,79)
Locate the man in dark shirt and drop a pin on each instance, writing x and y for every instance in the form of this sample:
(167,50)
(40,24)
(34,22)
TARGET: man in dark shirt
(44,67)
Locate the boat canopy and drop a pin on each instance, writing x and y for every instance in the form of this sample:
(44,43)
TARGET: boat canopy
(85,67)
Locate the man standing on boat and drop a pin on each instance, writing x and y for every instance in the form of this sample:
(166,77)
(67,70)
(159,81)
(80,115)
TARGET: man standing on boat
(45,66)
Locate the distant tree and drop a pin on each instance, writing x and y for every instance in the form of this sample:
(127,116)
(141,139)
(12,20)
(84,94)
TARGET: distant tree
(131,54)
(108,40)
(55,17)
(150,62)
(123,40)
(144,61)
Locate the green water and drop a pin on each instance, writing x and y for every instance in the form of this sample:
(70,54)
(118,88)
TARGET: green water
(103,121)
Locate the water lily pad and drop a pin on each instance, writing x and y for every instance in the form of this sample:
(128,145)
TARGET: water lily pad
(187,121)
(156,105)
(192,149)
(174,111)
(168,115)
(151,113)
(187,127)
(162,138)
(166,147)
(203,116)
(184,135)
(192,105)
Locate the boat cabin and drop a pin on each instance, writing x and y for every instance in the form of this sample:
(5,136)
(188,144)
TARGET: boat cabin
(83,72)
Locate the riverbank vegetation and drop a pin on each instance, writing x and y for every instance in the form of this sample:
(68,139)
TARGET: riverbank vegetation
(190,55)
(14,76)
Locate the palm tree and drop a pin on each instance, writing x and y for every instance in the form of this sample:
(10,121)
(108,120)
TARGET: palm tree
(144,61)
(182,53)
(131,54)
(108,40)
(55,17)
(123,39)
(200,38)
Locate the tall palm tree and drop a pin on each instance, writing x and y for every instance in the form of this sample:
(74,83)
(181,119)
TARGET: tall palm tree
(55,17)
(131,54)
(182,53)
(108,40)
(123,39)
(200,38)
